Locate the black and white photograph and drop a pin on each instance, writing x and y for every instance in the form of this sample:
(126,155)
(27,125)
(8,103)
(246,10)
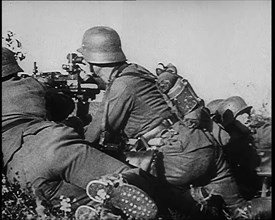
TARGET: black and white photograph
(136,110)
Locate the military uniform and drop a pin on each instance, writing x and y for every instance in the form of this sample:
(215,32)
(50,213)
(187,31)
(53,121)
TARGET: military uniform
(189,156)
(238,144)
(50,156)
(134,106)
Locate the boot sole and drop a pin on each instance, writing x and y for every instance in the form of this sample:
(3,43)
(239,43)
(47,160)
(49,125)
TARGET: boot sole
(131,200)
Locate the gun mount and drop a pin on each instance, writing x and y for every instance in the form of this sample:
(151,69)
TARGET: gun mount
(71,84)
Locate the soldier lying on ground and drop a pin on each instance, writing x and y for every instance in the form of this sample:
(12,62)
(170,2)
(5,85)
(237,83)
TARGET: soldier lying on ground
(233,132)
(57,162)
(191,163)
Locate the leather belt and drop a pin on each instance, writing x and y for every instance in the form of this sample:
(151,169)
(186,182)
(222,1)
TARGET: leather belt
(155,131)
(165,124)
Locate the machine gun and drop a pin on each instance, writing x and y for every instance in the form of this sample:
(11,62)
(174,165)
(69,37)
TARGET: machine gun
(71,84)
(81,90)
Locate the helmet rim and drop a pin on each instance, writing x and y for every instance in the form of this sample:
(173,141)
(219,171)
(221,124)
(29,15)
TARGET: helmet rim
(102,57)
(243,110)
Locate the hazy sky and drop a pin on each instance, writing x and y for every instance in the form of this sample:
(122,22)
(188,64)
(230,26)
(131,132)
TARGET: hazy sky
(222,47)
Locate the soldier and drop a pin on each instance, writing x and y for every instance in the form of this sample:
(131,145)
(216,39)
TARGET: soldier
(133,106)
(57,162)
(234,115)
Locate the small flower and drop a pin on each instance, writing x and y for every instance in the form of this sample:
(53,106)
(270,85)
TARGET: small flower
(14,45)
(65,204)
(30,216)
(4,190)
(4,181)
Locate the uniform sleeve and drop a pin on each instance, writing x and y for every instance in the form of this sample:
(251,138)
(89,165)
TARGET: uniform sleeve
(121,101)
(92,131)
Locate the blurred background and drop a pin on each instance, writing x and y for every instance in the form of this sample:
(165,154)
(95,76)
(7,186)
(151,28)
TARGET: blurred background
(222,47)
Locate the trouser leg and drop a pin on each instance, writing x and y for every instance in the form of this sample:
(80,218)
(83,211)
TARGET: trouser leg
(181,169)
(177,170)
(64,166)
(44,189)
(199,168)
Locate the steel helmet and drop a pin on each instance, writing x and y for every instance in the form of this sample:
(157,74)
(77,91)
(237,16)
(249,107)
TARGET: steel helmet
(231,107)
(101,45)
(213,106)
(9,63)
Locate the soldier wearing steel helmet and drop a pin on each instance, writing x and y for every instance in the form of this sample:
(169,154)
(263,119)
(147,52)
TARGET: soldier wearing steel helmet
(231,108)
(233,115)
(101,48)
(192,165)
(56,161)
(240,116)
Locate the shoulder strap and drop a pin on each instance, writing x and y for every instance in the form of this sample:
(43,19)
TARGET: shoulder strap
(103,130)
(142,73)
(147,76)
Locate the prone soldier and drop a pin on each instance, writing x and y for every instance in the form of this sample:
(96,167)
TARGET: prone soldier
(233,130)
(57,162)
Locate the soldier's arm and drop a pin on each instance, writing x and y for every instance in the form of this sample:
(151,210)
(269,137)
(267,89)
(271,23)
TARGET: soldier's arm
(121,102)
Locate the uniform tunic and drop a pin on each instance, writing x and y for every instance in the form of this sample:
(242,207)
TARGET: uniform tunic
(189,156)
(135,105)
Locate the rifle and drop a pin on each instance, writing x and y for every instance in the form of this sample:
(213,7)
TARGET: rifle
(72,85)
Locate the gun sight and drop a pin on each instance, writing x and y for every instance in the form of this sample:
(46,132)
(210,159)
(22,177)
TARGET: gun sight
(73,60)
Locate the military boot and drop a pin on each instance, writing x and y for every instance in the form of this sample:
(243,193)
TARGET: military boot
(85,212)
(117,199)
